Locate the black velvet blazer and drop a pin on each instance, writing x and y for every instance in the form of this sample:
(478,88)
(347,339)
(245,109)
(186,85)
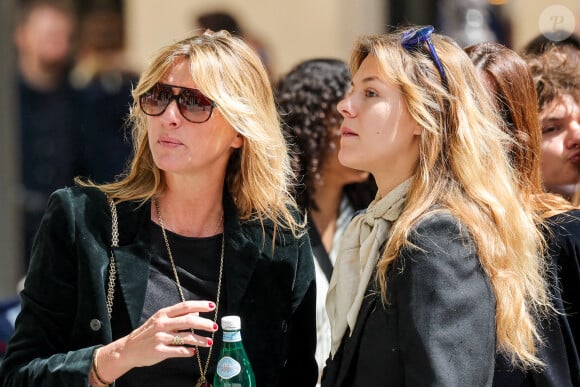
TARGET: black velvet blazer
(439,326)
(64,315)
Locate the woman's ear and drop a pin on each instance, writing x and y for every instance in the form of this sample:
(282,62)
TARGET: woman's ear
(238,141)
(417,130)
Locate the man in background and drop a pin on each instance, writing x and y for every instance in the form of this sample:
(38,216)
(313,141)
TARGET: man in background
(49,126)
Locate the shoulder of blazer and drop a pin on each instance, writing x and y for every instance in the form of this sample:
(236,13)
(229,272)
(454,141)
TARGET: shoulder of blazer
(265,233)
(437,232)
(91,206)
(564,226)
(440,224)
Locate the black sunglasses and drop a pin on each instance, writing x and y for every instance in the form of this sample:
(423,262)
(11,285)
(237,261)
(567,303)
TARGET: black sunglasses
(415,38)
(193,105)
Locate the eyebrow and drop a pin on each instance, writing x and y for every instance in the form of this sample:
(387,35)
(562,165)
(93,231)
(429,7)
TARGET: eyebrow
(368,79)
(371,78)
(553,118)
(556,115)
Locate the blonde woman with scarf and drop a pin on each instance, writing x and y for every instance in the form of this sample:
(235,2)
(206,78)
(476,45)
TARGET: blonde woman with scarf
(442,270)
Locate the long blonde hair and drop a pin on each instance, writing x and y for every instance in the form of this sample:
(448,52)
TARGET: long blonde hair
(463,167)
(229,72)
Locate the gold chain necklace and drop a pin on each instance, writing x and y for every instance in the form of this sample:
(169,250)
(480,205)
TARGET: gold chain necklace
(202,381)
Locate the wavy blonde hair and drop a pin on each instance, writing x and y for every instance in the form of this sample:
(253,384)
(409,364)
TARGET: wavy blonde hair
(229,72)
(464,168)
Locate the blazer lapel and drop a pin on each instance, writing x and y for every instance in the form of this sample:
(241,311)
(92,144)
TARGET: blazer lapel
(241,256)
(354,339)
(133,257)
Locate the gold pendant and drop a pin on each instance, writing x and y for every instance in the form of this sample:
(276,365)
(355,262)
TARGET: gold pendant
(201,382)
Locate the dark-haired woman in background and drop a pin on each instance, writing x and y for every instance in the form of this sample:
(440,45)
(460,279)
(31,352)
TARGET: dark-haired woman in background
(329,192)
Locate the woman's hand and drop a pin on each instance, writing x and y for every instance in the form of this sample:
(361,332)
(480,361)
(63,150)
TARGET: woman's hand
(155,340)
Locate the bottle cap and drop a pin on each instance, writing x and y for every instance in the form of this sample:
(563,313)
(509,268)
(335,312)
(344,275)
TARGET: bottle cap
(231,323)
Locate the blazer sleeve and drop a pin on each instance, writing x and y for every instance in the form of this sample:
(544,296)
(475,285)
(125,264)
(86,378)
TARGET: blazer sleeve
(39,352)
(446,307)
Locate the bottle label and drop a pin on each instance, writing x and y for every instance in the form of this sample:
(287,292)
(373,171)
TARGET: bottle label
(232,336)
(228,367)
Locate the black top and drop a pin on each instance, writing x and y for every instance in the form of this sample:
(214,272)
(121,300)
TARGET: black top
(198,262)
(560,351)
(564,245)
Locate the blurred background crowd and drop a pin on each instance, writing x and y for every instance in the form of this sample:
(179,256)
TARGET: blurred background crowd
(68,68)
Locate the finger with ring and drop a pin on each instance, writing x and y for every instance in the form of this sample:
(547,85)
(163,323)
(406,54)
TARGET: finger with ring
(177,340)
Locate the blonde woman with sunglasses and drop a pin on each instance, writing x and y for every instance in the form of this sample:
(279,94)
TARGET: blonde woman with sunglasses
(128,280)
(442,270)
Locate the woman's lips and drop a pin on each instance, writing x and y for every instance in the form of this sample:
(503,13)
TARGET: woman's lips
(347,132)
(169,141)
(575,158)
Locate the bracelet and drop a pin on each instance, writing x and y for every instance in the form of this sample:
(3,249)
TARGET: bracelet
(95,369)
(96,382)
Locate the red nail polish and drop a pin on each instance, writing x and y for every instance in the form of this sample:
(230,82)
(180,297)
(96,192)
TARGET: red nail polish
(211,305)
(215,327)
(209,342)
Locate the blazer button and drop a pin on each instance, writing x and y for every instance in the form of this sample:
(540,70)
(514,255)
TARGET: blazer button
(95,325)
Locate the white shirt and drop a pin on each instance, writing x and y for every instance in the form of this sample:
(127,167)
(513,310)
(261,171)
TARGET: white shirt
(322,323)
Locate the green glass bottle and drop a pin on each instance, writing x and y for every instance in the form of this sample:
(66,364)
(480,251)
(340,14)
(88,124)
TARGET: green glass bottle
(233,367)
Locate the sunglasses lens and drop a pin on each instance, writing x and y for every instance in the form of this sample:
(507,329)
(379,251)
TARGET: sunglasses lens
(155,101)
(194,106)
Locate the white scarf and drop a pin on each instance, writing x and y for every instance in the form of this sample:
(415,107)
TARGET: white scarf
(358,256)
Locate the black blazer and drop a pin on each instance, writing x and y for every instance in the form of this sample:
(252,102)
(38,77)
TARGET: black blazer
(64,316)
(439,326)
(564,247)
(561,335)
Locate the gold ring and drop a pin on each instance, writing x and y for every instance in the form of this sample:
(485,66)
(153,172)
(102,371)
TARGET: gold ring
(177,340)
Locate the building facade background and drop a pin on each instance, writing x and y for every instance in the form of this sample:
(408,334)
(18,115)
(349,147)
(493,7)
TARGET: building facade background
(291,30)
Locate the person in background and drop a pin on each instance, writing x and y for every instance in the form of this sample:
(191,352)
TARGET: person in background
(541,44)
(128,280)
(222,20)
(510,82)
(329,192)
(556,73)
(104,83)
(443,269)
(49,130)
(9,309)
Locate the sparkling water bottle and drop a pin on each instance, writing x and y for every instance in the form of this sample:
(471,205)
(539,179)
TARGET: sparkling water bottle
(233,367)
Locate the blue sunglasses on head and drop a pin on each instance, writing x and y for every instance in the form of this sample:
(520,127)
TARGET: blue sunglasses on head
(415,38)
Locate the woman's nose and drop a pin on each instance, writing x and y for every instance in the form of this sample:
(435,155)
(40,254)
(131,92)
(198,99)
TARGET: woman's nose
(573,129)
(172,115)
(344,107)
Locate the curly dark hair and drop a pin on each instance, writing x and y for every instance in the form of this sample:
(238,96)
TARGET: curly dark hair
(307,98)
